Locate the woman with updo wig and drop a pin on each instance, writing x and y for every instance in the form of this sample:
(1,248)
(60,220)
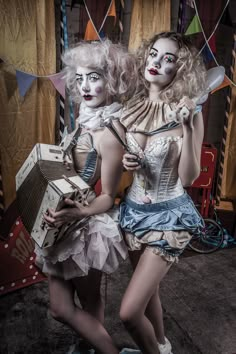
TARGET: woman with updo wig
(100,76)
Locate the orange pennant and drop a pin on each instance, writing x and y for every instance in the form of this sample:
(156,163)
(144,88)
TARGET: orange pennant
(112,10)
(90,33)
(225,83)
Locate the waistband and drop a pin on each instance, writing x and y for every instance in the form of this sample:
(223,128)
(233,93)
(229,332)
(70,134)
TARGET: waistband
(168,204)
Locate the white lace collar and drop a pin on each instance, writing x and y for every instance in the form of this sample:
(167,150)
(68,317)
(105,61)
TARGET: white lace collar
(95,118)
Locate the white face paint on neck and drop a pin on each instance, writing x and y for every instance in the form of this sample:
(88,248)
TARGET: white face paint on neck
(161,63)
(91,85)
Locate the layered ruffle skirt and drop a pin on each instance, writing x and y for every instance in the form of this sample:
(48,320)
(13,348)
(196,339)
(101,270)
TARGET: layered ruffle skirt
(166,227)
(97,244)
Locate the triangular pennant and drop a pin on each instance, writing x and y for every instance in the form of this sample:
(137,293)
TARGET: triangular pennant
(226,18)
(102,34)
(59,83)
(90,33)
(112,10)
(194,26)
(212,44)
(206,53)
(225,83)
(24,81)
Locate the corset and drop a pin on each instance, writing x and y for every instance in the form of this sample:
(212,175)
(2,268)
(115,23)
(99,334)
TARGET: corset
(85,158)
(158,179)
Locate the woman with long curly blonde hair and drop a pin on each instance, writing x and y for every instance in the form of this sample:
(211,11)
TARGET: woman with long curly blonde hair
(164,136)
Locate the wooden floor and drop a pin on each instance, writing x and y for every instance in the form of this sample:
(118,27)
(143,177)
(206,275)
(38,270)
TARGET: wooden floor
(199,302)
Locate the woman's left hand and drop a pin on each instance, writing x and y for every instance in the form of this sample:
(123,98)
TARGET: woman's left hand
(185,111)
(66,215)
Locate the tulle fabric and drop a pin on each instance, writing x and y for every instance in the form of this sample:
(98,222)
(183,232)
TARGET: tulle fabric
(98,244)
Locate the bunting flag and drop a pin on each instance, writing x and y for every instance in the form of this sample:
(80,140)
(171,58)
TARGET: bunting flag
(207,54)
(194,26)
(90,32)
(225,83)
(112,10)
(59,83)
(24,81)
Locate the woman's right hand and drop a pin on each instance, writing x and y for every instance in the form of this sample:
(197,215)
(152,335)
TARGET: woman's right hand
(131,162)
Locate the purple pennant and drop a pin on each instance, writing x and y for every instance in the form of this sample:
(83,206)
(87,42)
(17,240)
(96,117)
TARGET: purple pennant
(59,83)
(24,81)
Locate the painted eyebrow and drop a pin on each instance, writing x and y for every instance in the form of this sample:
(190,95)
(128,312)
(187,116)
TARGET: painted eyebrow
(92,72)
(167,53)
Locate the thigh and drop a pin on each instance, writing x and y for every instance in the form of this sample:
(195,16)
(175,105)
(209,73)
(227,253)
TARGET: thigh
(61,292)
(147,276)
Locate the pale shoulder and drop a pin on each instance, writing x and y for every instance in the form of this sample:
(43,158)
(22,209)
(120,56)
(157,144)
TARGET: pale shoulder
(109,138)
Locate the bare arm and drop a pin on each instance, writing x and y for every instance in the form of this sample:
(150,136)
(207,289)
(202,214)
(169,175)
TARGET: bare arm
(111,153)
(111,170)
(189,164)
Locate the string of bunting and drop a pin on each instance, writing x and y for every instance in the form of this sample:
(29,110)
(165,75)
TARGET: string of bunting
(91,32)
(25,80)
(196,26)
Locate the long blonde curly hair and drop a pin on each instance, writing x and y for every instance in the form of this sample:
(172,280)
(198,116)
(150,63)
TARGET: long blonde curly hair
(117,65)
(190,77)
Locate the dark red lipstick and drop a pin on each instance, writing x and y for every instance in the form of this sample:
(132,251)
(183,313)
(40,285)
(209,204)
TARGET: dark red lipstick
(153,71)
(88,97)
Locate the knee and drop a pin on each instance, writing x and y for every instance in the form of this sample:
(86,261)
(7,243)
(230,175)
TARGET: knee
(59,312)
(129,316)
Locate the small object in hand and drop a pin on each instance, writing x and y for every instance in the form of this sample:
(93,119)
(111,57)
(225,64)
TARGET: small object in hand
(184,113)
(171,115)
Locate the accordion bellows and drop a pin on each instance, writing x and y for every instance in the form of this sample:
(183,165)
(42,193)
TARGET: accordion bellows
(43,182)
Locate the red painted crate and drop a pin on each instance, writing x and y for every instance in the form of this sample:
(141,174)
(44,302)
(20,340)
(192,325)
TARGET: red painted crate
(17,268)
(202,187)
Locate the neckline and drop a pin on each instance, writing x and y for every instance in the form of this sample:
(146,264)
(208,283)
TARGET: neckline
(153,142)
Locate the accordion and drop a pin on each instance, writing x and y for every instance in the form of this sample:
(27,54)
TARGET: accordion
(44,182)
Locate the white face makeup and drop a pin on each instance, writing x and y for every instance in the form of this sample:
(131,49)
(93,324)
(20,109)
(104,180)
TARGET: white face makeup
(161,63)
(91,85)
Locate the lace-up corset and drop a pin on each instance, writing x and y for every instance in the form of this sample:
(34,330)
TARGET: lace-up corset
(86,161)
(159,179)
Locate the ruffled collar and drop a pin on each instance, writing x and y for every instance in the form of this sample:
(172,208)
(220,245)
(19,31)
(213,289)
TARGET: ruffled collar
(145,116)
(96,118)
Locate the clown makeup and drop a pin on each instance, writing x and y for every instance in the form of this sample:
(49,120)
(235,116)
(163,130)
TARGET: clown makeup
(161,63)
(91,85)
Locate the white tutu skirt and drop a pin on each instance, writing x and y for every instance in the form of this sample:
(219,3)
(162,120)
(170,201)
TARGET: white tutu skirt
(98,244)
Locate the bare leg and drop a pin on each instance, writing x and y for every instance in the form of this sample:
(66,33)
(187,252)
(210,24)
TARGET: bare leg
(149,272)
(89,293)
(63,309)
(154,309)
(155,315)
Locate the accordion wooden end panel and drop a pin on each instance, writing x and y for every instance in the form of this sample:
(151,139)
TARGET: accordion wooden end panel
(41,183)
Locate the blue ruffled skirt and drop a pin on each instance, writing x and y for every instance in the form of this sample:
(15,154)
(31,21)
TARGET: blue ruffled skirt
(166,227)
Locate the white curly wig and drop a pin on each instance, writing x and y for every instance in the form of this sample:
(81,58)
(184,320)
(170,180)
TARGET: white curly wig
(117,65)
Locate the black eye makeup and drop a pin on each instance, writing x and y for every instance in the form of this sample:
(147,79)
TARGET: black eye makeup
(93,77)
